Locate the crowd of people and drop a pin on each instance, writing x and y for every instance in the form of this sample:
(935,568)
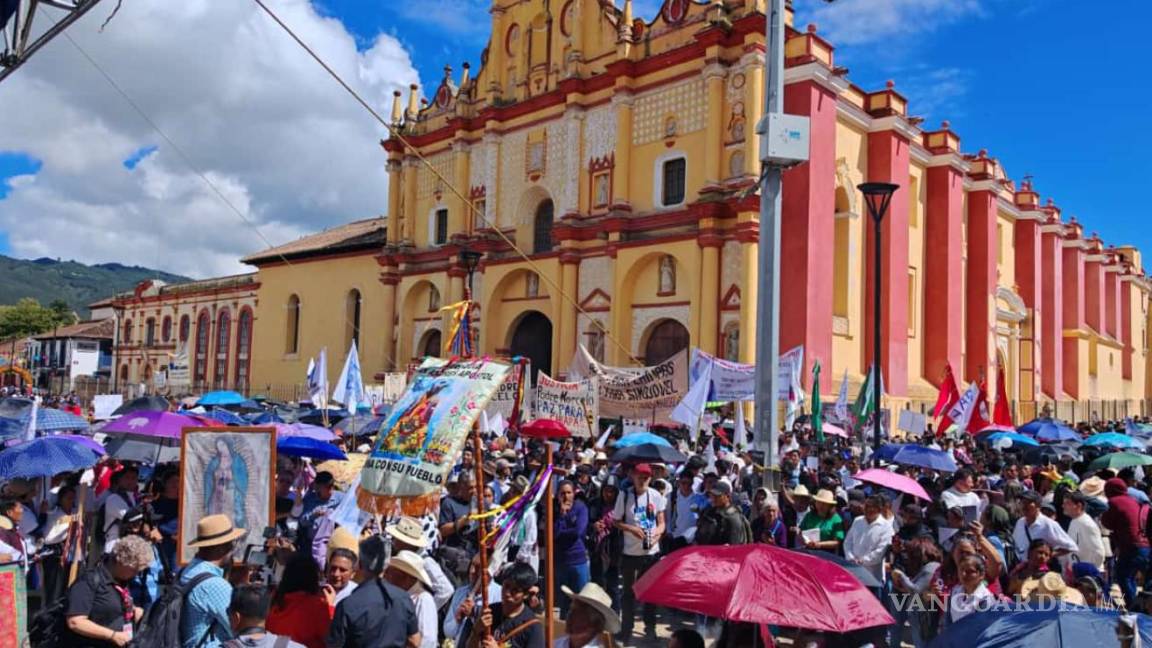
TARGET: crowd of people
(999,528)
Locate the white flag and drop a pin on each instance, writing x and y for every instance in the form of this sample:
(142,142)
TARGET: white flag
(740,432)
(318,380)
(350,386)
(689,410)
(961,412)
(603,440)
(841,407)
(30,431)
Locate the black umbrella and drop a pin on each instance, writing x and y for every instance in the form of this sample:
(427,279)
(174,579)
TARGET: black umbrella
(862,573)
(14,407)
(1044,454)
(144,449)
(143,404)
(649,453)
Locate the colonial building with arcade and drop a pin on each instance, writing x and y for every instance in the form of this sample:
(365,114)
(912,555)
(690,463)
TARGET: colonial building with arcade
(604,164)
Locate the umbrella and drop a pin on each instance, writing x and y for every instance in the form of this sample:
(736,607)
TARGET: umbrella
(224,416)
(1032,427)
(1006,439)
(1114,440)
(221,398)
(910,454)
(637,438)
(359,425)
(152,424)
(1118,460)
(143,404)
(144,449)
(263,418)
(996,428)
(548,429)
(1048,453)
(14,406)
(860,572)
(87,442)
(1071,626)
(305,447)
(762,584)
(44,457)
(889,479)
(649,453)
(316,417)
(828,428)
(11,429)
(49,419)
(303,430)
(1058,434)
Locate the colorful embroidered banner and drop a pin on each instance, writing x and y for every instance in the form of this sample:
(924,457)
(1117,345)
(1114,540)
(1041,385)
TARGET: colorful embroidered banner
(424,432)
(13,606)
(575,404)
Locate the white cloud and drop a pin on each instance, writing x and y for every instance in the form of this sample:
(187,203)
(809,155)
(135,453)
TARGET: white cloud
(934,93)
(288,147)
(462,18)
(855,22)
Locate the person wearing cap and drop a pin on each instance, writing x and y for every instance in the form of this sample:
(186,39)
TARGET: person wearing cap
(1083,530)
(204,621)
(145,587)
(825,518)
(406,571)
(639,514)
(407,535)
(323,498)
(869,537)
(722,523)
(1034,526)
(376,613)
(589,619)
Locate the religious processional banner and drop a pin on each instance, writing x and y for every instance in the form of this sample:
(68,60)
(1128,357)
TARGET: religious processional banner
(636,392)
(424,433)
(575,404)
(13,605)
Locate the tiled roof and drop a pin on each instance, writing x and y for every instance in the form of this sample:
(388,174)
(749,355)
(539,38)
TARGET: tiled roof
(91,329)
(362,234)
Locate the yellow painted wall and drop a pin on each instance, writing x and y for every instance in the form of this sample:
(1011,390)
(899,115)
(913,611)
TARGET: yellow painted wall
(848,349)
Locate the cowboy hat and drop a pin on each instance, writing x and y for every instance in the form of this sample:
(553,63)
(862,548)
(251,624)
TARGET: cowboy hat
(596,598)
(342,538)
(411,564)
(409,531)
(215,530)
(1052,585)
(825,496)
(800,491)
(1092,487)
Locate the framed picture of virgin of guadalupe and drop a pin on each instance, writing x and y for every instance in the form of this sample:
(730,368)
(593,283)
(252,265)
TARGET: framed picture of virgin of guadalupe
(228,471)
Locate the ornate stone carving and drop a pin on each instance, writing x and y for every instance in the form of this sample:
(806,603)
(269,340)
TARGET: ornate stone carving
(600,133)
(686,101)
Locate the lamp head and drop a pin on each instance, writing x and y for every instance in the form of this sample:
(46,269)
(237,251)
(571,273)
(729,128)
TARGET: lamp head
(469,259)
(877,195)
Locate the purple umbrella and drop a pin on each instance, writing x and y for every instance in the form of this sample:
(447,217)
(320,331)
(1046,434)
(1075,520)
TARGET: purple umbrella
(304,431)
(155,424)
(87,442)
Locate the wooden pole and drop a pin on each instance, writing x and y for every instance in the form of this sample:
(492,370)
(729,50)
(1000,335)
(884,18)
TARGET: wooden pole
(549,545)
(481,506)
(74,535)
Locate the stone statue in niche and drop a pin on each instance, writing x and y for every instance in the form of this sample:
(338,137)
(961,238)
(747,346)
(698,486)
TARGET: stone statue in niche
(667,275)
(736,164)
(670,126)
(732,344)
(596,342)
(433,299)
(536,157)
(736,123)
(601,190)
(532,285)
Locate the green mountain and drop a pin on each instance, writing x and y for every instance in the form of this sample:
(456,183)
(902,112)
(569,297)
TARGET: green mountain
(78,284)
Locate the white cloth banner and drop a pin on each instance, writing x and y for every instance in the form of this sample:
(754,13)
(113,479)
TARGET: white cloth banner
(730,381)
(394,385)
(575,404)
(842,399)
(689,411)
(961,412)
(648,393)
(505,396)
(104,404)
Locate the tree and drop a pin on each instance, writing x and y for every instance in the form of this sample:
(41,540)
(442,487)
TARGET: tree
(26,318)
(62,313)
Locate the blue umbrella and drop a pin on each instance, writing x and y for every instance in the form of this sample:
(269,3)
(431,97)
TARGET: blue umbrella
(360,425)
(637,438)
(1058,433)
(1114,440)
(49,419)
(305,447)
(1031,428)
(1013,439)
(263,418)
(1072,626)
(910,454)
(221,398)
(44,457)
(225,417)
(316,417)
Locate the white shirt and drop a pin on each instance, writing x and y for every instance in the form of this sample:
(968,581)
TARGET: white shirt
(425,615)
(1089,542)
(1044,528)
(867,542)
(639,510)
(349,587)
(683,522)
(115,506)
(961,604)
(442,588)
(953,498)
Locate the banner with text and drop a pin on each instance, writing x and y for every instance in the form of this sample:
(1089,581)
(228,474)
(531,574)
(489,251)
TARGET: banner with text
(648,393)
(575,404)
(505,397)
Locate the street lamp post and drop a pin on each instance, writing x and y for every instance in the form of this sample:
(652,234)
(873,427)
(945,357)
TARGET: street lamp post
(877,195)
(469,260)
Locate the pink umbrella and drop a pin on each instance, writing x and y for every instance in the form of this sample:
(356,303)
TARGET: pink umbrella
(996,428)
(889,479)
(833,430)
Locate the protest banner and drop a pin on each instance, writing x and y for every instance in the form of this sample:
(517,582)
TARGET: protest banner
(104,404)
(504,400)
(575,404)
(424,432)
(179,375)
(912,422)
(731,381)
(648,393)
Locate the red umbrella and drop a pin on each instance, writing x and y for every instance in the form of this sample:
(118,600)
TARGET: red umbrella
(889,479)
(762,584)
(545,429)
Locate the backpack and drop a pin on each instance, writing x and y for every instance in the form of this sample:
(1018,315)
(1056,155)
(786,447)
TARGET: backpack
(50,625)
(161,625)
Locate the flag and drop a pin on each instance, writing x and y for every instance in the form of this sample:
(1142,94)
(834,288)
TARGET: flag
(689,410)
(980,416)
(1002,415)
(30,431)
(817,406)
(350,386)
(794,361)
(946,400)
(740,431)
(318,380)
(842,399)
(962,411)
(863,406)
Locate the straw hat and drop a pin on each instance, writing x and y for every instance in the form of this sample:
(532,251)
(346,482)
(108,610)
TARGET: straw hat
(800,491)
(215,530)
(824,495)
(411,564)
(1052,585)
(1092,487)
(342,538)
(409,531)
(596,598)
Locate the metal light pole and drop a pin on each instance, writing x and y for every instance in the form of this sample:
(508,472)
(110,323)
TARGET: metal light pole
(470,260)
(877,195)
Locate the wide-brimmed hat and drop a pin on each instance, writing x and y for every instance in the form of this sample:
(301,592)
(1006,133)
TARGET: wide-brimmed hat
(409,531)
(411,564)
(1092,487)
(800,491)
(342,538)
(824,495)
(596,598)
(1051,473)
(215,530)
(1052,584)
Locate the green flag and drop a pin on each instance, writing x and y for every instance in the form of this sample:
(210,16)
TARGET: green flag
(817,406)
(862,409)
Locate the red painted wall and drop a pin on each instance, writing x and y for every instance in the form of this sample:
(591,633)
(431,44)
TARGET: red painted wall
(1126,328)
(982,248)
(1094,295)
(1052,315)
(1029,287)
(943,264)
(1074,316)
(1112,304)
(888,162)
(808,230)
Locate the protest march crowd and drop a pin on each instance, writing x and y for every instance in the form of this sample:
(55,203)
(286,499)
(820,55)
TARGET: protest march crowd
(666,536)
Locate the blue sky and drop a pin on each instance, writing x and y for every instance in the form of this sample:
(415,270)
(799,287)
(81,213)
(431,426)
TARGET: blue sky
(1049,88)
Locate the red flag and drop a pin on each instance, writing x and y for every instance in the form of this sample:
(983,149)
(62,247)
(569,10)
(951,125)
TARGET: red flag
(980,418)
(949,396)
(1002,415)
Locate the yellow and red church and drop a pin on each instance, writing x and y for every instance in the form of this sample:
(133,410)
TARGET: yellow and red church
(605,166)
